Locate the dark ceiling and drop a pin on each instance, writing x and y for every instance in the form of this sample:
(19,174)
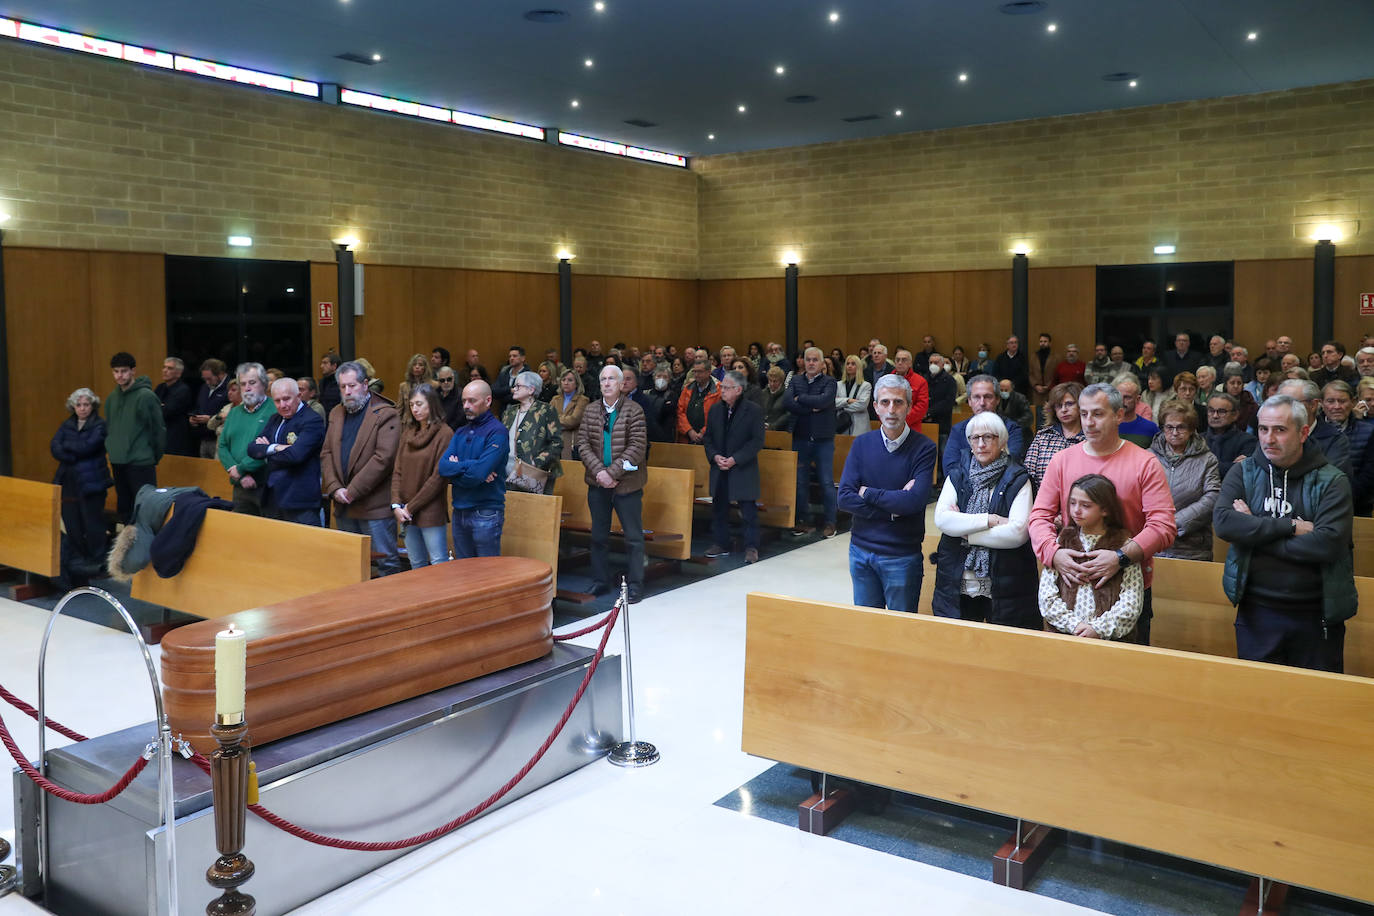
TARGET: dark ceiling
(686,67)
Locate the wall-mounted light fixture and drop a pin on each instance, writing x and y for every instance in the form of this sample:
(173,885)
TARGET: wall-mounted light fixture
(1327,232)
(565,255)
(791,257)
(1164,249)
(1021,248)
(346,242)
(240,241)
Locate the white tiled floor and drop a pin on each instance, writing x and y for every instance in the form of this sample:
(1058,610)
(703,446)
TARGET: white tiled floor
(603,840)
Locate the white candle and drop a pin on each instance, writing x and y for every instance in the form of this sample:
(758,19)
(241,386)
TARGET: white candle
(231,664)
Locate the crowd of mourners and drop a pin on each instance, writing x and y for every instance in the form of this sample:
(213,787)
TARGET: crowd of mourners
(1068,476)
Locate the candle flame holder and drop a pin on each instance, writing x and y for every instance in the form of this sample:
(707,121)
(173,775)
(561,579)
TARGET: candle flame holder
(229,781)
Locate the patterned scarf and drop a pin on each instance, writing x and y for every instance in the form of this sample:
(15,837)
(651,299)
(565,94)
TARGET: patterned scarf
(981,481)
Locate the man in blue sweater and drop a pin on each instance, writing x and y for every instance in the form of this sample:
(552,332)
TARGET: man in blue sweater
(885,487)
(811,397)
(476,465)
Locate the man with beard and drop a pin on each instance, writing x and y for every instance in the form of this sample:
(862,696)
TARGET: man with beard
(244,424)
(357,460)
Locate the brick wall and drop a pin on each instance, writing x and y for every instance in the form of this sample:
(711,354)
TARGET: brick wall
(1230,178)
(103,155)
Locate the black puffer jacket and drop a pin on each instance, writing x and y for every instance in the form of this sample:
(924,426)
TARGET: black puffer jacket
(80,454)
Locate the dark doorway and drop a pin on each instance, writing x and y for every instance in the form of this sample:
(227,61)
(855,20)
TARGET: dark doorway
(1139,302)
(239,311)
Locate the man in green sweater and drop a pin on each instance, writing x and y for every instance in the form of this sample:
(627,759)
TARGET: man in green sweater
(244,424)
(136,435)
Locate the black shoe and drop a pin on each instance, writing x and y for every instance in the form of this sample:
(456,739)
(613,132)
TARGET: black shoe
(636,596)
(715,550)
(599,588)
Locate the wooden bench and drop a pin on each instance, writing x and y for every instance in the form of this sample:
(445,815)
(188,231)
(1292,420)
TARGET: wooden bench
(532,525)
(1258,768)
(31,537)
(243,561)
(667,512)
(777,478)
(1363,538)
(181,471)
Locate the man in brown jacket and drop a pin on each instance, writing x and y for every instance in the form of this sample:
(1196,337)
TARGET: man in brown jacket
(357,460)
(613,442)
(1040,367)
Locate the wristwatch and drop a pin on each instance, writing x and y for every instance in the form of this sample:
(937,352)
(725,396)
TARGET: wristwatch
(1123,559)
(399,506)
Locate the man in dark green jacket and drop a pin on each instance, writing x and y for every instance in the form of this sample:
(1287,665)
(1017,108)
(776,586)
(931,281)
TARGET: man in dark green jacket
(136,435)
(1286,512)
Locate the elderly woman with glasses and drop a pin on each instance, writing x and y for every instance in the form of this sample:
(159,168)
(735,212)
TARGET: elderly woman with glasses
(984,568)
(536,437)
(1194,479)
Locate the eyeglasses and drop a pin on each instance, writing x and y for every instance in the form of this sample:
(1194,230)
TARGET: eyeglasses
(1218,411)
(983,437)
(1171,428)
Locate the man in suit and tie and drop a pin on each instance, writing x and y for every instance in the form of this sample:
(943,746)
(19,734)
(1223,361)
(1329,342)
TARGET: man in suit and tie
(734,437)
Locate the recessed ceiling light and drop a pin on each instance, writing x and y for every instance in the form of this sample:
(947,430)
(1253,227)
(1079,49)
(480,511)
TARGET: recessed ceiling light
(779,69)
(963,77)
(291,289)
(599,6)
(834,16)
(589,63)
(1051,28)
(575,103)
(741,108)
(710,136)
(1252,36)
(898,112)
(376,57)
(1132,84)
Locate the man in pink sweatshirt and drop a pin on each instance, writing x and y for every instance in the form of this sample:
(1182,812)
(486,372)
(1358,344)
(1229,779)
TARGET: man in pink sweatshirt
(1140,484)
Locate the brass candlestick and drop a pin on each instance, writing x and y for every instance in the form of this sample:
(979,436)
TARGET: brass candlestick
(229,781)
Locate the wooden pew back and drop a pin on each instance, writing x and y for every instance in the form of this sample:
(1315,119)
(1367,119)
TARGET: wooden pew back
(778,488)
(1363,539)
(243,561)
(1258,768)
(181,471)
(668,504)
(684,456)
(31,537)
(777,438)
(532,525)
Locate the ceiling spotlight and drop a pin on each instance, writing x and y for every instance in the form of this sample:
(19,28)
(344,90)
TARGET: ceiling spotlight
(710,136)
(599,6)
(834,16)
(1132,84)
(1252,36)
(897,113)
(1051,28)
(588,62)
(240,241)
(779,69)
(1169,288)
(575,103)
(291,289)
(1164,249)
(741,108)
(376,58)
(963,77)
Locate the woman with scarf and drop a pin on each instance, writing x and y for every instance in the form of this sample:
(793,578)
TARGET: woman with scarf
(984,569)
(535,459)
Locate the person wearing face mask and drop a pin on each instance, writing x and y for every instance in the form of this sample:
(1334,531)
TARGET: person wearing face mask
(244,424)
(943,392)
(1013,408)
(981,362)
(660,405)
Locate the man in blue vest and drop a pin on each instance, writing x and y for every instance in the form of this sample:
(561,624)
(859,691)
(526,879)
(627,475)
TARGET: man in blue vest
(1289,570)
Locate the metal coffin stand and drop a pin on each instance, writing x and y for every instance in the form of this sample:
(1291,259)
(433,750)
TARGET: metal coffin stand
(384,775)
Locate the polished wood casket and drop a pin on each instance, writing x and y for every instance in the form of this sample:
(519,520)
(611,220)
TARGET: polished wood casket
(324,657)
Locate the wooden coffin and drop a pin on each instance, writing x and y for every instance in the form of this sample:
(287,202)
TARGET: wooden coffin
(334,654)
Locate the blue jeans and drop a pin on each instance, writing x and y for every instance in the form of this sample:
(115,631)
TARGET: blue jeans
(822,453)
(383,534)
(426,546)
(298,516)
(477,532)
(884,581)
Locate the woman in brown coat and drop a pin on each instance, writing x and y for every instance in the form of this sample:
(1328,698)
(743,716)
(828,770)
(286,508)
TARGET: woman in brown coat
(570,403)
(417,490)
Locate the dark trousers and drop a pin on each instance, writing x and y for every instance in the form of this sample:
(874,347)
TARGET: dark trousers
(821,453)
(84,519)
(248,501)
(629,508)
(980,609)
(1142,623)
(720,515)
(1289,636)
(299,516)
(128,478)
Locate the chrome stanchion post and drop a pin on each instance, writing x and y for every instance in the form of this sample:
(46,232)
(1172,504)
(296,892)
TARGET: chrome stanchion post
(632,753)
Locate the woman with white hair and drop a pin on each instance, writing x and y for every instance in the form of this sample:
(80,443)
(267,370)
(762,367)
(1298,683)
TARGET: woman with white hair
(984,568)
(79,447)
(536,437)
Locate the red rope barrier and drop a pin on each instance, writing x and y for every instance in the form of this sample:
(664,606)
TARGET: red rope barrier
(57,791)
(607,623)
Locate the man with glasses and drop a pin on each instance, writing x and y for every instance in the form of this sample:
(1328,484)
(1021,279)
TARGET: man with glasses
(1228,442)
(982,396)
(450,398)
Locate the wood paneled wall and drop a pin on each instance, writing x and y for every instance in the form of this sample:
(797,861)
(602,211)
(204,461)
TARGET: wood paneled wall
(634,310)
(1273,298)
(1063,301)
(1354,276)
(67,313)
